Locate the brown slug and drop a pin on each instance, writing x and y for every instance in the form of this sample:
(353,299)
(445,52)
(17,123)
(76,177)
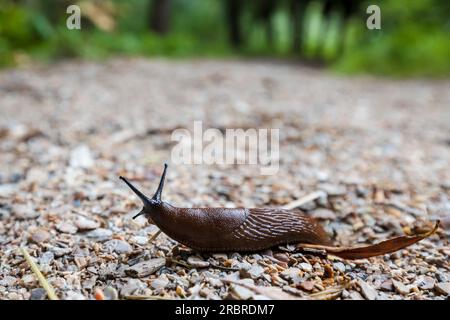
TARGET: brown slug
(250,229)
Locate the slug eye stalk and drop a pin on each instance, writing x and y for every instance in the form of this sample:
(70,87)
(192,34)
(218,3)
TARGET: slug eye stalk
(147,202)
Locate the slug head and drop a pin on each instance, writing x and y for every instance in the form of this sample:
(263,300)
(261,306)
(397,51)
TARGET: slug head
(148,203)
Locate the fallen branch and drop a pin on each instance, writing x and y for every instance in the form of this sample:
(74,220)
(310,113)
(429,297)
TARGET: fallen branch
(44,283)
(308,198)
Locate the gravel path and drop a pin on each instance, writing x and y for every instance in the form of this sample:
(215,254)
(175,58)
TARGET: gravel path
(68,131)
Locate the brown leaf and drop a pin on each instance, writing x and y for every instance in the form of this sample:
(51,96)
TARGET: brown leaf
(367,251)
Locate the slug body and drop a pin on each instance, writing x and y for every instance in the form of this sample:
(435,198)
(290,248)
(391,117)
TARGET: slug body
(230,229)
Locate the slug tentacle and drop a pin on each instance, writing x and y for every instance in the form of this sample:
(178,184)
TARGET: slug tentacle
(157,195)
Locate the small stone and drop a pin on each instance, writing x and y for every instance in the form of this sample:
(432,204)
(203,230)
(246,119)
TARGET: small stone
(145,268)
(38,294)
(442,288)
(7,190)
(387,285)
(8,281)
(196,262)
(339,266)
(160,283)
(241,292)
(425,282)
(40,235)
(29,280)
(140,240)
(220,256)
(333,190)
(23,212)
(307,285)
(216,283)
(83,223)
(323,214)
(73,295)
(355,296)
(118,246)
(110,293)
(81,157)
(4,214)
(255,271)
(99,234)
(131,287)
(281,257)
(400,287)
(367,290)
(66,227)
(306,267)
(46,258)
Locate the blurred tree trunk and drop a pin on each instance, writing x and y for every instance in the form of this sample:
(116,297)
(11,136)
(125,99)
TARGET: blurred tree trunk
(160,16)
(233,12)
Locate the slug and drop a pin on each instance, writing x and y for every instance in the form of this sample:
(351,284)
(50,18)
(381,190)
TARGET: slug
(249,229)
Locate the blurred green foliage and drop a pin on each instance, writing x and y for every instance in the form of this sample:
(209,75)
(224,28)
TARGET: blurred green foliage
(414,39)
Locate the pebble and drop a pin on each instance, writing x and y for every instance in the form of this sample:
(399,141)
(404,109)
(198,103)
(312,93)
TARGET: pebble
(118,246)
(83,223)
(307,285)
(28,280)
(306,267)
(339,266)
(387,285)
(131,287)
(40,235)
(100,234)
(8,281)
(442,288)
(425,282)
(73,295)
(241,292)
(4,214)
(220,256)
(66,227)
(145,268)
(367,290)
(160,283)
(38,294)
(81,157)
(23,212)
(46,258)
(140,240)
(354,295)
(110,293)
(400,287)
(323,214)
(196,262)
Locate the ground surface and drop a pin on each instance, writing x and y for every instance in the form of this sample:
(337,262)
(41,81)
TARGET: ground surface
(380,149)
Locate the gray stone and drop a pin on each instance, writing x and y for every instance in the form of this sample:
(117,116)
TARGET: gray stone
(442,288)
(367,290)
(145,268)
(118,246)
(196,262)
(38,294)
(100,234)
(84,223)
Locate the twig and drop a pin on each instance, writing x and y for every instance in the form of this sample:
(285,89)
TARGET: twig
(50,292)
(308,198)
(155,235)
